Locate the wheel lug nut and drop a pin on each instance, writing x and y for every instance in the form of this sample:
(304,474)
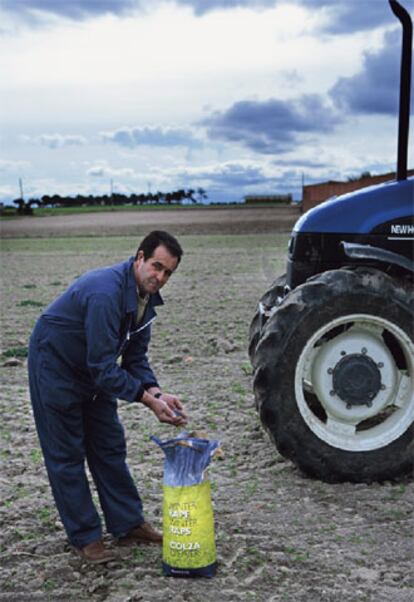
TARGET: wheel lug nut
(330,371)
(343,352)
(364,350)
(380,365)
(383,387)
(332,393)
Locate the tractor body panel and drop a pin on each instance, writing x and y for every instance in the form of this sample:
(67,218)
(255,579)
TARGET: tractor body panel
(379,216)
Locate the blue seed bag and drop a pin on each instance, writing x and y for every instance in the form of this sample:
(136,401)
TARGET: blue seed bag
(188,523)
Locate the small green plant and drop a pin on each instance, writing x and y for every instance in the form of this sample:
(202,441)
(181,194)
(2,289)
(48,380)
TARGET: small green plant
(138,555)
(297,555)
(24,536)
(21,491)
(45,514)
(27,302)
(36,456)
(29,286)
(49,584)
(397,491)
(16,352)
(251,487)
(246,369)
(237,387)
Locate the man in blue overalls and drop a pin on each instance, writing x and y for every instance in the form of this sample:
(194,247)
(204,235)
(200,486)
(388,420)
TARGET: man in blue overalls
(75,381)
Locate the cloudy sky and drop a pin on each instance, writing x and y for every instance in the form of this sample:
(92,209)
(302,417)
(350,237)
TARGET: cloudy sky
(234,96)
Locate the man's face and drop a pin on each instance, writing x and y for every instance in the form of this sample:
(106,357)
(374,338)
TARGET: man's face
(153,273)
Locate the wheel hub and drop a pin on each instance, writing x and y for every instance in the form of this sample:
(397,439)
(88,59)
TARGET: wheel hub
(356,380)
(352,374)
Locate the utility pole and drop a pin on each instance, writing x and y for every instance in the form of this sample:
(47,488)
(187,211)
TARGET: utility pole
(21,188)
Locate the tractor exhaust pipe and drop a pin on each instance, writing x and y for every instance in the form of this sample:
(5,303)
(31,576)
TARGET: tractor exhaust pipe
(405,87)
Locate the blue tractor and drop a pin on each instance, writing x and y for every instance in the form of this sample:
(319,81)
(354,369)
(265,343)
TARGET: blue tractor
(332,341)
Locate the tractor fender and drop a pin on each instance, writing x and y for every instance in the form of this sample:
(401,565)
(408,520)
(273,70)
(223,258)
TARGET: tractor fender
(358,251)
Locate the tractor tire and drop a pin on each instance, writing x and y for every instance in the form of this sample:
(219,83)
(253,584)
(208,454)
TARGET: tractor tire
(271,298)
(334,376)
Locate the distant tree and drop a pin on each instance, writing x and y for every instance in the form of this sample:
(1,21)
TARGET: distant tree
(118,199)
(91,200)
(364,174)
(178,195)
(23,208)
(190,195)
(45,200)
(32,202)
(56,200)
(202,194)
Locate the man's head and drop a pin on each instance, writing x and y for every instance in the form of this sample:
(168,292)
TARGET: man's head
(156,259)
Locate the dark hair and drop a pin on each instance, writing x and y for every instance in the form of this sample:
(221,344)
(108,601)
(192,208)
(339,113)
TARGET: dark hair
(156,238)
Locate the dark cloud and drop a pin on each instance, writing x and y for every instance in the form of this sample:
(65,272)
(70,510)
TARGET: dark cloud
(273,125)
(232,180)
(344,16)
(375,89)
(152,136)
(354,15)
(231,174)
(73,9)
(76,9)
(302,163)
(200,7)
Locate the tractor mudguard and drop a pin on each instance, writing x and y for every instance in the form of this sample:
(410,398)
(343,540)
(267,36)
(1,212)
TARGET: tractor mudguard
(357,251)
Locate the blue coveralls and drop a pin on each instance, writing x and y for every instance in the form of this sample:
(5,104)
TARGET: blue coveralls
(75,381)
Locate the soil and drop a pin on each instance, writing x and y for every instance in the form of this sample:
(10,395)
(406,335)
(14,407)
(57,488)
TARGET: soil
(279,535)
(243,219)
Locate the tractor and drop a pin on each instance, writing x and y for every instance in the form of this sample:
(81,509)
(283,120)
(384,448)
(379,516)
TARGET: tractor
(332,340)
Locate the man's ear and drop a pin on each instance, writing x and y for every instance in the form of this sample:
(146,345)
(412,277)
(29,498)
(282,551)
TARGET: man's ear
(140,255)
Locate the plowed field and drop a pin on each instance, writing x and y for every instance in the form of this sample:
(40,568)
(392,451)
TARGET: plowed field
(279,535)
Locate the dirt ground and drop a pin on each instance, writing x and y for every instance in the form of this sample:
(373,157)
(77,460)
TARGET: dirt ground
(279,535)
(240,220)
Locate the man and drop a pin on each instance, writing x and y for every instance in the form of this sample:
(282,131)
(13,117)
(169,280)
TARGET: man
(75,380)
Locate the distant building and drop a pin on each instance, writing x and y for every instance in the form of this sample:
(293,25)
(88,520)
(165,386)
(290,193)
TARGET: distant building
(314,194)
(258,199)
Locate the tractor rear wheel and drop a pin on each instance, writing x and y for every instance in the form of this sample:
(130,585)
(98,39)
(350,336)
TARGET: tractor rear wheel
(334,376)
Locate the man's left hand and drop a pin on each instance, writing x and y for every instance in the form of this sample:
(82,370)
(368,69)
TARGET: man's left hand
(176,406)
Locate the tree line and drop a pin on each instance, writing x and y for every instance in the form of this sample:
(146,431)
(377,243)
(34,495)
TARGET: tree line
(115,199)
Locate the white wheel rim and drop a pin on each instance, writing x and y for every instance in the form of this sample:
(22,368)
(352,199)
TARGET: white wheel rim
(356,427)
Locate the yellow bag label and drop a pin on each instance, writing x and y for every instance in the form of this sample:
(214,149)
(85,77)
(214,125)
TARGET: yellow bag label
(188,534)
